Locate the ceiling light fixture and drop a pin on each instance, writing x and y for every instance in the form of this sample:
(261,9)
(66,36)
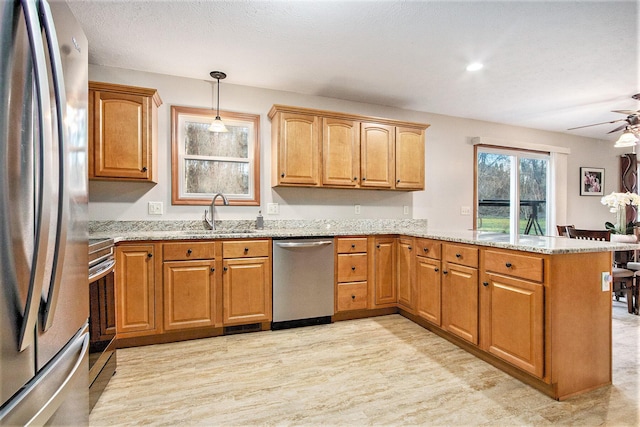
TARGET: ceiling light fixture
(218,124)
(627,139)
(474,66)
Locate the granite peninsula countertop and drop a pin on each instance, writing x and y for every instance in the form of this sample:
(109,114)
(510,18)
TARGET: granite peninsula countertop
(194,230)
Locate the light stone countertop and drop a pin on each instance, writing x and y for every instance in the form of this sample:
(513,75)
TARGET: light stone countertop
(193,230)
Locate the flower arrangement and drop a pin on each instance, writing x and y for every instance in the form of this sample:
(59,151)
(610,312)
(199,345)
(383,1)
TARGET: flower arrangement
(618,203)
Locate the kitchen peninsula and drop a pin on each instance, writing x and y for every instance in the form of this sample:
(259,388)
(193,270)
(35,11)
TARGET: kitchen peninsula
(536,307)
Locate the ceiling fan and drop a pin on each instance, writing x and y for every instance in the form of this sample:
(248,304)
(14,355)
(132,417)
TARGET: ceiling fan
(632,120)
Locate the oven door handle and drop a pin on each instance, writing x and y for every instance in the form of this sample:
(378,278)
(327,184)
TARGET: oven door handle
(104,269)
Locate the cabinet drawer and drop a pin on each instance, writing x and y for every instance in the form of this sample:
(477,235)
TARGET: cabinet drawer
(428,248)
(245,248)
(459,254)
(352,267)
(352,245)
(352,296)
(185,251)
(527,267)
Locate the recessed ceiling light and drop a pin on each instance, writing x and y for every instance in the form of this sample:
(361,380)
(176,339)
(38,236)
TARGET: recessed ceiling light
(474,66)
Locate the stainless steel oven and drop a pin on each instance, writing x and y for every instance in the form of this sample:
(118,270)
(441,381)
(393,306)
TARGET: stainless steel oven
(102,316)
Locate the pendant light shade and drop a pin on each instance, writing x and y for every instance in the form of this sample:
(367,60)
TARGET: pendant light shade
(627,139)
(218,124)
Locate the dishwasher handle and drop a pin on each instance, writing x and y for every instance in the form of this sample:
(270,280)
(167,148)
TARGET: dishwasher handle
(304,244)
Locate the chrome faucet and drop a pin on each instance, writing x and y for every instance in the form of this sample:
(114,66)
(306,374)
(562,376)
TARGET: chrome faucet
(212,224)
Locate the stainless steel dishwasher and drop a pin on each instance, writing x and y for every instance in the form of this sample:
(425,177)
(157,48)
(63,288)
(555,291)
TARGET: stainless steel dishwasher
(302,282)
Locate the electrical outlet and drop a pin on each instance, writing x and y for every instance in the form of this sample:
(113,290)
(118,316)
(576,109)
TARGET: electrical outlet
(155,208)
(356,209)
(606,281)
(273,209)
(465,210)
(405,210)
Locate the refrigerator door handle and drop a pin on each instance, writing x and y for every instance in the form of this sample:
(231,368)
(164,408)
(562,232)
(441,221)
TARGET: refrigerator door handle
(41,243)
(51,302)
(44,394)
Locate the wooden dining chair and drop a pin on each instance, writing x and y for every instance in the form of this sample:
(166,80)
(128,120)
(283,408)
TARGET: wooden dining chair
(562,230)
(623,278)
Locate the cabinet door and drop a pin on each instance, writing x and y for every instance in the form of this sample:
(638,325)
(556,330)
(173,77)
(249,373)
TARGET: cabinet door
(409,158)
(135,290)
(515,322)
(121,135)
(299,149)
(385,272)
(246,291)
(405,273)
(377,155)
(460,301)
(340,152)
(189,294)
(428,281)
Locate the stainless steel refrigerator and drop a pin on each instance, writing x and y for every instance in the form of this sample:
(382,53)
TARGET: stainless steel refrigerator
(44,299)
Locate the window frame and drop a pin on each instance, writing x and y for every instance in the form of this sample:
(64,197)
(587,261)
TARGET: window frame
(514,212)
(178,156)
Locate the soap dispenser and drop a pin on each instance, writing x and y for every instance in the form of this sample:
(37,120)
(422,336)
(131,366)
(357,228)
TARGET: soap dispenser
(259,221)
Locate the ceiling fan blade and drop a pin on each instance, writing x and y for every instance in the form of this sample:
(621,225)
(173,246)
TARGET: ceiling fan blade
(598,124)
(627,112)
(617,129)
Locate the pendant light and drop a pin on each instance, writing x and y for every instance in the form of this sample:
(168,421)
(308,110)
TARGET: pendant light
(627,139)
(218,124)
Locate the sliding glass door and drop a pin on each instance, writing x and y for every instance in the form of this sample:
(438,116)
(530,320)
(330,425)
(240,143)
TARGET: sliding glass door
(512,191)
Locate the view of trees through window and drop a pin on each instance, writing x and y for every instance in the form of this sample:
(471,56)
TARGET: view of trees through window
(512,188)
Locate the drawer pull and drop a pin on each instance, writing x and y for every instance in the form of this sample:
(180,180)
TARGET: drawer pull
(425,250)
(189,251)
(353,268)
(410,248)
(436,269)
(355,178)
(508,265)
(445,272)
(353,246)
(225,268)
(150,255)
(213,269)
(282,175)
(458,255)
(246,250)
(144,169)
(378,246)
(364,179)
(353,297)
(485,284)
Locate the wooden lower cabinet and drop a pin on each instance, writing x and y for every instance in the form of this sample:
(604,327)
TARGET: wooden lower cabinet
(351,296)
(405,273)
(189,289)
(246,290)
(135,290)
(384,266)
(513,310)
(460,301)
(428,287)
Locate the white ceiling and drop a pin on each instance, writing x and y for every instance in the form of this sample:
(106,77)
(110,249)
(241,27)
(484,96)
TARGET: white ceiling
(547,64)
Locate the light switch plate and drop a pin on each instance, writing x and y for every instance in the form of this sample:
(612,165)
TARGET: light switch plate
(356,209)
(465,210)
(155,208)
(405,210)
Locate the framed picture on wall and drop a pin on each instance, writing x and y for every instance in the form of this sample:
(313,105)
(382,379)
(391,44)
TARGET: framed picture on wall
(591,181)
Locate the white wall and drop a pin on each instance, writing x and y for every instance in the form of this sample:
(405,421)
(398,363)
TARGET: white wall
(449,162)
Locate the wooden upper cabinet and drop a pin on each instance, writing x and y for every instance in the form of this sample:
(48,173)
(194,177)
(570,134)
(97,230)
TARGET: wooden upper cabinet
(123,122)
(297,155)
(377,155)
(340,152)
(409,158)
(318,148)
